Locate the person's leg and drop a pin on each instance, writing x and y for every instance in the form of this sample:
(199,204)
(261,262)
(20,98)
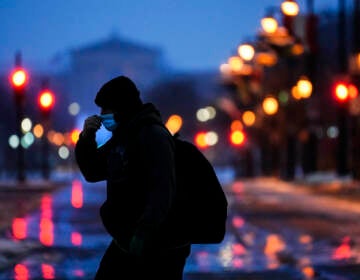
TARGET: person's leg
(165,267)
(116,264)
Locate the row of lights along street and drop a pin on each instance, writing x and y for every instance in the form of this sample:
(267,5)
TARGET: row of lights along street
(290,46)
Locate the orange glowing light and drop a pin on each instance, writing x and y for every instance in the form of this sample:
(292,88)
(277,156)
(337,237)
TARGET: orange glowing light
(74,136)
(353,91)
(236,125)
(174,123)
(290,8)
(308,272)
(269,24)
(270,105)
(38,130)
(200,140)
(274,244)
(249,118)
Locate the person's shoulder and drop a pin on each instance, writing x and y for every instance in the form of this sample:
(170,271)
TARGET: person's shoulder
(154,130)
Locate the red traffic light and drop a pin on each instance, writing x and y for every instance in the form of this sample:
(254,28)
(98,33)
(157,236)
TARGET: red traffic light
(18,78)
(46,100)
(344,91)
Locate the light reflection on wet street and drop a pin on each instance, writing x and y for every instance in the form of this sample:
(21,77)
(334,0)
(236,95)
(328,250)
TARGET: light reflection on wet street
(64,237)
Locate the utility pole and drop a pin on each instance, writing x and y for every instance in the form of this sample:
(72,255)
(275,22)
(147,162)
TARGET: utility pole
(310,153)
(343,126)
(355,77)
(18,80)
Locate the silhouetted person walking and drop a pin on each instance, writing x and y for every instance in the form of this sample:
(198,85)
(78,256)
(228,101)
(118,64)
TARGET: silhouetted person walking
(138,164)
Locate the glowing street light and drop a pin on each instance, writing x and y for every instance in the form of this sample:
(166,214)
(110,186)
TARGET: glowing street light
(270,105)
(246,52)
(236,64)
(290,8)
(269,24)
(304,87)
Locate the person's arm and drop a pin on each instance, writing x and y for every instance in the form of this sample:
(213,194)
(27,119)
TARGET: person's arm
(90,159)
(157,148)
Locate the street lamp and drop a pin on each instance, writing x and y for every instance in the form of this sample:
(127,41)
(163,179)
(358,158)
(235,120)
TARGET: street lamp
(304,87)
(290,8)
(270,105)
(246,52)
(269,24)
(236,64)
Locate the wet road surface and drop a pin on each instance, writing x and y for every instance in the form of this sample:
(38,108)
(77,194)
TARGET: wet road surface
(274,232)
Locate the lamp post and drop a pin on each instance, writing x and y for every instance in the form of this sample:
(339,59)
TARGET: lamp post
(342,166)
(290,9)
(355,75)
(18,80)
(274,42)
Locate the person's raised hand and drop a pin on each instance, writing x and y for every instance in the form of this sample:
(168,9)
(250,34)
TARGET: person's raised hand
(91,125)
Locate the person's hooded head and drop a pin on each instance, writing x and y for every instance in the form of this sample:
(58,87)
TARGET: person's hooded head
(120,95)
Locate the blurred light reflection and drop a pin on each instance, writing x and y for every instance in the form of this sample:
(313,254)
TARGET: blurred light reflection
(21,272)
(76,238)
(48,271)
(343,251)
(239,249)
(203,261)
(308,272)
(238,222)
(274,245)
(77,194)
(46,234)
(78,273)
(19,228)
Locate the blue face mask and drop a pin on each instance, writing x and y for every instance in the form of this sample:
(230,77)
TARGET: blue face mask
(109,122)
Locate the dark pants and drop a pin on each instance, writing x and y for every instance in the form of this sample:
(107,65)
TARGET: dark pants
(119,265)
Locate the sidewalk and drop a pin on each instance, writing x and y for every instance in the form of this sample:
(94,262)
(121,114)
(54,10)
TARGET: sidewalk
(332,185)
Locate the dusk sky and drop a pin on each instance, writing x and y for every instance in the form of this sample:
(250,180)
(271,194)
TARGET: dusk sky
(193,34)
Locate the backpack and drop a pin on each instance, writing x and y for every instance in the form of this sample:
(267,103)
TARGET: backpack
(202,200)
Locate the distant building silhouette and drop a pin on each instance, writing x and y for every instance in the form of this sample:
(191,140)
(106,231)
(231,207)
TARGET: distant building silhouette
(86,68)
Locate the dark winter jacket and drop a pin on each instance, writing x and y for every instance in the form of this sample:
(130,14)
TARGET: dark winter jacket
(138,164)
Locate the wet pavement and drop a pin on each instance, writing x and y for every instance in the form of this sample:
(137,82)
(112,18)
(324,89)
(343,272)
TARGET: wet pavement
(276,230)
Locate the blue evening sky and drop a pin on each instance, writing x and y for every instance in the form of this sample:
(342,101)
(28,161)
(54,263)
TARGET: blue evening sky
(193,34)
